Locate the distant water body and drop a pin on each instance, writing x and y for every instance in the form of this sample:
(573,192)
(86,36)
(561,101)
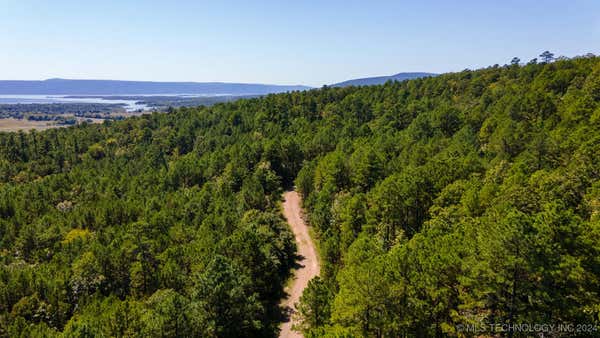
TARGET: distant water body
(129,105)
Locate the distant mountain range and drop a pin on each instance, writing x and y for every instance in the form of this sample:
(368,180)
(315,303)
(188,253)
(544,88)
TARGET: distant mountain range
(111,87)
(369,81)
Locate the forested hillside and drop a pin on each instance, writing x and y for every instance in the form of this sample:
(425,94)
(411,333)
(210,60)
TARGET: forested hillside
(379,80)
(440,202)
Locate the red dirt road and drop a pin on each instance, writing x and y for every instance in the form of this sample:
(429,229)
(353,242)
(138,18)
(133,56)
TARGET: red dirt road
(308,261)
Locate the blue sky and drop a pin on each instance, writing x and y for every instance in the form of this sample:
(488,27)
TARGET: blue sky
(282,42)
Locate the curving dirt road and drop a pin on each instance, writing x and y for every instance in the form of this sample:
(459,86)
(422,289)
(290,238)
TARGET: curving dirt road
(308,262)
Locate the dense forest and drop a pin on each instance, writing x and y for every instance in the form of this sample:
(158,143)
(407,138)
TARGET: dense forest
(437,203)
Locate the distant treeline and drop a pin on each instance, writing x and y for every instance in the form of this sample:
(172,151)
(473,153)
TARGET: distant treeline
(18,110)
(57,118)
(166,101)
(105,110)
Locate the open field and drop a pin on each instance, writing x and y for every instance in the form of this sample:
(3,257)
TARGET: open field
(11,124)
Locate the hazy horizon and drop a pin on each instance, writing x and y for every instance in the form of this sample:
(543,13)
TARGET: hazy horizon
(166,81)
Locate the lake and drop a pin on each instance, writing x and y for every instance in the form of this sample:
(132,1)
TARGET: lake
(129,105)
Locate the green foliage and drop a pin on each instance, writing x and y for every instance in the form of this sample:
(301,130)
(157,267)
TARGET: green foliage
(114,229)
(314,309)
(479,207)
(464,198)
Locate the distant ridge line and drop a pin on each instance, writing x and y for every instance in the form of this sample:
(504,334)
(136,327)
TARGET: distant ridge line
(377,80)
(58,86)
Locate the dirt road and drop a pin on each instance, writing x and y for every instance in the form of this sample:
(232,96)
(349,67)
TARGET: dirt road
(308,261)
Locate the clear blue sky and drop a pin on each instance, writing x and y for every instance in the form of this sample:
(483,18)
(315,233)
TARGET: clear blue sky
(283,42)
